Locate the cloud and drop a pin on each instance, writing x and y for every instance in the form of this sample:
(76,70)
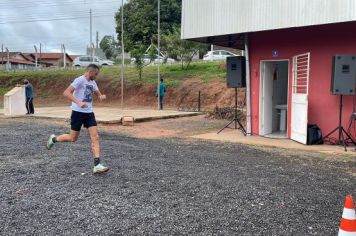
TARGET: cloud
(73,30)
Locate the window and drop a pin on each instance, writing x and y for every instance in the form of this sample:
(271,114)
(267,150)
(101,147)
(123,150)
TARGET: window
(216,53)
(84,59)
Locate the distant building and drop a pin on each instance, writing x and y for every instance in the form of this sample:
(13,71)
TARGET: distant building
(51,59)
(15,60)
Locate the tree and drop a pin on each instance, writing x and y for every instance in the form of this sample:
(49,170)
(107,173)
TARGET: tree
(140,20)
(138,54)
(182,49)
(108,45)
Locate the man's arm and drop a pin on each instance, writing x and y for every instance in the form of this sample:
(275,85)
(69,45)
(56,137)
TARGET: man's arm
(100,96)
(68,93)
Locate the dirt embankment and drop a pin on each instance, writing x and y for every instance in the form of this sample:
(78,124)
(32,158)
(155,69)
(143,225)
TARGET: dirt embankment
(183,96)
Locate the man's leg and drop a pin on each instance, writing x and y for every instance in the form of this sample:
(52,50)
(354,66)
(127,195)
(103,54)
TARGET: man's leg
(28,105)
(71,137)
(94,137)
(32,109)
(95,146)
(161,102)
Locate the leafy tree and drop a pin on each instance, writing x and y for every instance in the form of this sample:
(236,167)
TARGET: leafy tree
(182,49)
(108,45)
(140,20)
(138,54)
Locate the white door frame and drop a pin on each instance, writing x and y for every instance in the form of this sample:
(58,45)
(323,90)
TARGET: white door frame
(261,117)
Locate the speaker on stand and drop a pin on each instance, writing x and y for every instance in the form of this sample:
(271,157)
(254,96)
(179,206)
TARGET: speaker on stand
(235,78)
(343,82)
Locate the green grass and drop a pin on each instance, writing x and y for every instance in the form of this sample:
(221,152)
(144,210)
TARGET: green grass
(3,91)
(173,75)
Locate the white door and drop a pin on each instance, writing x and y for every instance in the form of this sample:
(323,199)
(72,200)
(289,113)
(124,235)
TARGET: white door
(299,122)
(267,98)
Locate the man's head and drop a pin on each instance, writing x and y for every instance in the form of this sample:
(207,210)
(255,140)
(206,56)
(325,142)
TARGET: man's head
(92,71)
(161,80)
(25,81)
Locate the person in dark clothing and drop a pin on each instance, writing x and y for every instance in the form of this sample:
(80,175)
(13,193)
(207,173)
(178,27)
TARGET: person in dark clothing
(162,92)
(29,97)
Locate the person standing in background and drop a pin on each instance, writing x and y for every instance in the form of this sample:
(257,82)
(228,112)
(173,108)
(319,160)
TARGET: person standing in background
(29,97)
(162,92)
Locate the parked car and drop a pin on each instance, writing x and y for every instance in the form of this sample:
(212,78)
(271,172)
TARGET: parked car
(86,60)
(159,59)
(218,55)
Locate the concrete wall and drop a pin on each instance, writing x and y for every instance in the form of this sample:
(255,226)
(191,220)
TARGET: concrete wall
(322,42)
(14,102)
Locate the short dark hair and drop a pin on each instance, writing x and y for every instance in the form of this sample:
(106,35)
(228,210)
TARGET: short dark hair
(161,80)
(93,66)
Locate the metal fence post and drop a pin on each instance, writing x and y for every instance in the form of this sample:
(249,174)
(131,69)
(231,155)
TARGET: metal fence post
(199,105)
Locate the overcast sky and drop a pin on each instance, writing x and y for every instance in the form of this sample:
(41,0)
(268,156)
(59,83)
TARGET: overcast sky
(25,23)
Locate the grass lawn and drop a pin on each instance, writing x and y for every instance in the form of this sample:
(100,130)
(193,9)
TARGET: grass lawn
(172,74)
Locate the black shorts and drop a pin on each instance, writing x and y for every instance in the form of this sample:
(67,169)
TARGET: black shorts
(78,119)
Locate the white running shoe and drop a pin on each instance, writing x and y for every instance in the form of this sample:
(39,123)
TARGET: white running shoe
(50,142)
(99,168)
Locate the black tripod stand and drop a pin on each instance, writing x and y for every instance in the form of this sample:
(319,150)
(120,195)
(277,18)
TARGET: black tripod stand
(236,120)
(341,130)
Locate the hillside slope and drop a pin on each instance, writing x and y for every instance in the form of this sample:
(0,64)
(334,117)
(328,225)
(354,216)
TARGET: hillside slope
(183,86)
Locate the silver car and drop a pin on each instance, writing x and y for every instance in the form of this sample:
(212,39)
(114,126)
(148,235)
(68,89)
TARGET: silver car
(218,55)
(83,61)
(146,59)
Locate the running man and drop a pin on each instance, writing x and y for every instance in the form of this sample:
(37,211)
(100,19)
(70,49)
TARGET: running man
(81,92)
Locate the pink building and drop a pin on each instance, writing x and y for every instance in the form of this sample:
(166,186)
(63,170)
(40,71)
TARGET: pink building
(289,47)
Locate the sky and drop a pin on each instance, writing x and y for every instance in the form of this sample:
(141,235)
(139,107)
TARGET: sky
(26,23)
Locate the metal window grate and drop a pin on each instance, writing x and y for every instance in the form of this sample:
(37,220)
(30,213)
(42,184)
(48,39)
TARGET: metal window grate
(301,64)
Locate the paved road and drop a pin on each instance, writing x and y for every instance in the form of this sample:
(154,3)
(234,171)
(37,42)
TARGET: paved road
(164,187)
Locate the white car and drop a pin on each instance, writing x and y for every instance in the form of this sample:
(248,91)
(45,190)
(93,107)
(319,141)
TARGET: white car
(86,60)
(159,59)
(218,55)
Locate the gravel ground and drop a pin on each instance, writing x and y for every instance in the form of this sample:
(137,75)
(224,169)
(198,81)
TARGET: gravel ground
(164,187)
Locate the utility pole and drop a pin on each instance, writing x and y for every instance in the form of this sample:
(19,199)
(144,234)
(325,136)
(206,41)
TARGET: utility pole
(97,39)
(40,54)
(212,53)
(64,56)
(8,59)
(2,54)
(93,50)
(122,54)
(35,56)
(159,53)
(91,35)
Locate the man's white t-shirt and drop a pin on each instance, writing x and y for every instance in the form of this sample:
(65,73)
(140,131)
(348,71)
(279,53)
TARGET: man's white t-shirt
(84,92)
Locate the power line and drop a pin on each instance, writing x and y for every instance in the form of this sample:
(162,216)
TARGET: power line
(55,15)
(34,4)
(55,19)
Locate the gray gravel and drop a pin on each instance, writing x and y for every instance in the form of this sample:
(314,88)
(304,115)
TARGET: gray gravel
(164,187)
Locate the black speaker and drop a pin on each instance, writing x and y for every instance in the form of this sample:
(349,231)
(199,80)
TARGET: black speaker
(343,79)
(236,72)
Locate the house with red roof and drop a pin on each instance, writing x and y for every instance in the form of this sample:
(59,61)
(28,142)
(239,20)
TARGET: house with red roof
(15,60)
(51,59)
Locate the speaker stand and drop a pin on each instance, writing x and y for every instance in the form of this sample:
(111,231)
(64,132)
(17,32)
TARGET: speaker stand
(235,120)
(341,130)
